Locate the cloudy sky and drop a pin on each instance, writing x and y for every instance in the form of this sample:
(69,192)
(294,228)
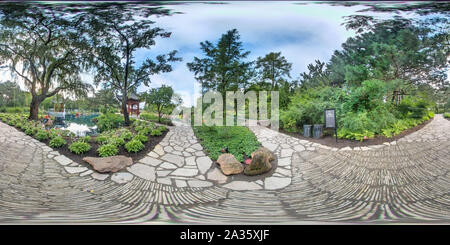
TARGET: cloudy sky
(302,32)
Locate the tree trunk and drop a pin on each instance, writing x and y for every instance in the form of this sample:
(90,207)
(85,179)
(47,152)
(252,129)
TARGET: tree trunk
(34,109)
(159,116)
(125,111)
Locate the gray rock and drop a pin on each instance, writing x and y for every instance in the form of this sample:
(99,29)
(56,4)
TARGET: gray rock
(109,164)
(229,165)
(260,163)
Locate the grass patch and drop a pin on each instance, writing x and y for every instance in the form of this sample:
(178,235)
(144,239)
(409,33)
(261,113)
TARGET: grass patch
(239,140)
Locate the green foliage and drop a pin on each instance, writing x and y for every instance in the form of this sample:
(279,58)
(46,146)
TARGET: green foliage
(162,128)
(41,135)
(239,140)
(102,139)
(86,139)
(156,132)
(152,118)
(141,138)
(109,121)
(125,134)
(134,146)
(79,147)
(57,142)
(117,141)
(107,150)
(161,99)
(447,115)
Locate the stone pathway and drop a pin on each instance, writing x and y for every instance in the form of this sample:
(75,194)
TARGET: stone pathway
(403,181)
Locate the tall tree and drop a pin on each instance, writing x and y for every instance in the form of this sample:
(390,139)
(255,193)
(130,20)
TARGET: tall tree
(161,98)
(223,68)
(273,67)
(11,94)
(316,76)
(117,34)
(43,47)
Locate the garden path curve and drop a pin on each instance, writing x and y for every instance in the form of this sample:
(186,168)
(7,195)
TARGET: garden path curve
(403,181)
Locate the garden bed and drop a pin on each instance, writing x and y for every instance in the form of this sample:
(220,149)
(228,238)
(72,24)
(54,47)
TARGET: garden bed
(240,142)
(142,136)
(330,141)
(149,145)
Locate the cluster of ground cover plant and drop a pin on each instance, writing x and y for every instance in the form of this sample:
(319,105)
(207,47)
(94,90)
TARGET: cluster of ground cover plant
(237,140)
(362,111)
(108,143)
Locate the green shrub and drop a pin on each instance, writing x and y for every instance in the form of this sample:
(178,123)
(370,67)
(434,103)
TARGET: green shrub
(86,139)
(102,139)
(125,134)
(134,146)
(117,141)
(145,130)
(41,135)
(53,133)
(57,142)
(30,131)
(237,139)
(107,150)
(156,132)
(162,128)
(447,115)
(79,147)
(109,121)
(141,138)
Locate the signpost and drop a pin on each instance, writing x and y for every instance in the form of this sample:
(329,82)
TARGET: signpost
(330,120)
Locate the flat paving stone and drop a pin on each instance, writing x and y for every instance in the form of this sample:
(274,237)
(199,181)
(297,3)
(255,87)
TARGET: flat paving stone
(143,171)
(121,177)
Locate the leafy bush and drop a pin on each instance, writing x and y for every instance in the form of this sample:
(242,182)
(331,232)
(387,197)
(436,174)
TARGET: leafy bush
(134,146)
(162,128)
(156,132)
(86,139)
(30,131)
(109,121)
(117,141)
(447,115)
(41,135)
(107,150)
(125,134)
(237,139)
(79,147)
(145,130)
(53,133)
(102,139)
(57,142)
(414,107)
(141,138)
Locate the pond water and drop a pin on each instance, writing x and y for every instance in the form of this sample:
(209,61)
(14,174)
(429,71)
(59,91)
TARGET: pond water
(80,126)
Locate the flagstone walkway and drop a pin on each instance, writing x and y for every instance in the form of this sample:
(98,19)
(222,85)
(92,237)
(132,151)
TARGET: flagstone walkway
(403,181)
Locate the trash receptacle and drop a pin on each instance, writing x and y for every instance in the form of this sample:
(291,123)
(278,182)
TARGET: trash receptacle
(307,130)
(317,131)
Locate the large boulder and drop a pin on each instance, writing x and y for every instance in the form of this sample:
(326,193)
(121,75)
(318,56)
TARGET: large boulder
(260,163)
(109,164)
(264,149)
(229,165)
